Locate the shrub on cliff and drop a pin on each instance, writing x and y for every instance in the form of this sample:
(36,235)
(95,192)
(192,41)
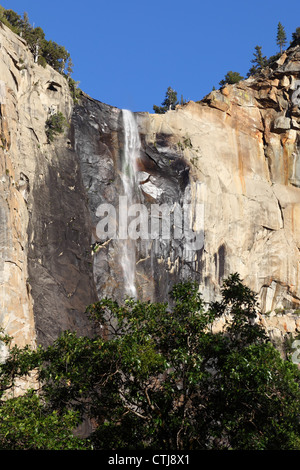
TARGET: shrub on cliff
(55,124)
(231,78)
(164,379)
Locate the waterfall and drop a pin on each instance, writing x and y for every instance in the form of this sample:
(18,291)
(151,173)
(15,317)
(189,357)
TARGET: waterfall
(131,154)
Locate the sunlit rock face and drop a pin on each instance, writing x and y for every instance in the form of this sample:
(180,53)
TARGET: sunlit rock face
(215,190)
(234,159)
(162,189)
(46,278)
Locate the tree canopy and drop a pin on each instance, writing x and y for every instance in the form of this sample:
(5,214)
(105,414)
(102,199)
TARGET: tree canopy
(231,78)
(44,51)
(169,102)
(281,36)
(296,34)
(162,377)
(259,61)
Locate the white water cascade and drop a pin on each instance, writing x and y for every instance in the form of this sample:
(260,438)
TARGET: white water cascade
(132,147)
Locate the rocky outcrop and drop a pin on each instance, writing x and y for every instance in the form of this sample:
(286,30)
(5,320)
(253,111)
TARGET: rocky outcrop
(233,160)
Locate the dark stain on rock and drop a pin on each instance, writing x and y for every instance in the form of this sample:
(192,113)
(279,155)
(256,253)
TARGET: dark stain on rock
(221,260)
(60,262)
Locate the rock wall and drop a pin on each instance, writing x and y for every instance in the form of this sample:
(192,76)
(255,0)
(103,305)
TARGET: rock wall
(235,156)
(232,159)
(46,276)
(243,146)
(163,178)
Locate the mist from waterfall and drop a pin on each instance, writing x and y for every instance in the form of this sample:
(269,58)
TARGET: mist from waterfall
(131,154)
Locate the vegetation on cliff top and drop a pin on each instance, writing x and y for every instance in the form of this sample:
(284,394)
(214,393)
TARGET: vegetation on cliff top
(162,379)
(281,37)
(49,52)
(231,78)
(259,61)
(44,51)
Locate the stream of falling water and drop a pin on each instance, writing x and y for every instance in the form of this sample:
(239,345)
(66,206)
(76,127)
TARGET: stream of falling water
(132,147)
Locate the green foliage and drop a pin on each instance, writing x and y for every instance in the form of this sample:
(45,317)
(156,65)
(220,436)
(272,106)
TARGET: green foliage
(182,101)
(74,90)
(186,143)
(55,124)
(296,34)
(169,102)
(281,36)
(163,379)
(27,424)
(55,55)
(44,51)
(35,37)
(11,19)
(231,78)
(259,61)
(42,61)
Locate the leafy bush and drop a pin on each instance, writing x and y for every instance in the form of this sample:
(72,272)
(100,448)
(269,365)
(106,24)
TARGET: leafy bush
(55,124)
(231,78)
(74,90)
(27,424)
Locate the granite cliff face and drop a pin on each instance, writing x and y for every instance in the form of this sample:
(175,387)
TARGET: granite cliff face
(45,275)
(233,159)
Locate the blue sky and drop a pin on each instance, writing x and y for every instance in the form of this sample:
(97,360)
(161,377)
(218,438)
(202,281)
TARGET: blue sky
(127,52)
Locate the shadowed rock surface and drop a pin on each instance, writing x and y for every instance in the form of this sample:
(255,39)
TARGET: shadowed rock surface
(232,158)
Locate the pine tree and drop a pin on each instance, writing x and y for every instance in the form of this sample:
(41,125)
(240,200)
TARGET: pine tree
(25,27)
(35,39)
(169,102)
(12,20)
(69,68)
(281,36)
(259,61)
(44,52)
(55,55)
